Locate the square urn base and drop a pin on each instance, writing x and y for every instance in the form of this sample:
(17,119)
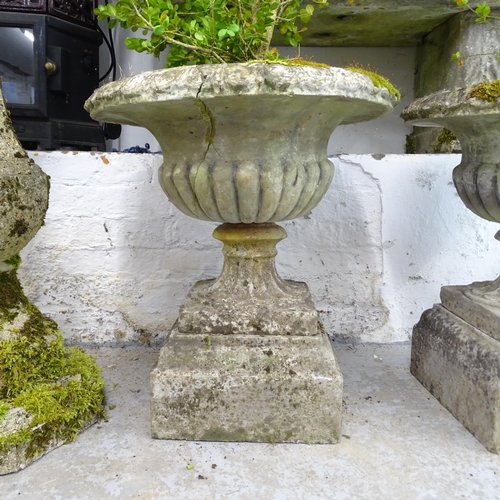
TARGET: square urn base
(460,366)
(247,388)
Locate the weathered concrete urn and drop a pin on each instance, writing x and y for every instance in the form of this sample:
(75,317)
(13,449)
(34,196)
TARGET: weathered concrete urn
(456,345)
(47,393)
(245,145)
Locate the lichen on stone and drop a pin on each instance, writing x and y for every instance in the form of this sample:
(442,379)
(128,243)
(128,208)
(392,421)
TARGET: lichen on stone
(486,91)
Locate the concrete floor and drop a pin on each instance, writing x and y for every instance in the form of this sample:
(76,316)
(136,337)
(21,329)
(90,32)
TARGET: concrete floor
(398,443)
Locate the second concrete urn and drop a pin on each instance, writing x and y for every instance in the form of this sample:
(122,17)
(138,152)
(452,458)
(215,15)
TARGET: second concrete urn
(245,145)
(456,344)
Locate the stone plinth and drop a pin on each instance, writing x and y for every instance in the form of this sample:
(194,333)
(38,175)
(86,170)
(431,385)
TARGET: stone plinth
(247,388)
(460,366)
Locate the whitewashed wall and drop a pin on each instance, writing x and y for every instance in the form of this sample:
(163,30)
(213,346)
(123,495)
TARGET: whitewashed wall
(115,259)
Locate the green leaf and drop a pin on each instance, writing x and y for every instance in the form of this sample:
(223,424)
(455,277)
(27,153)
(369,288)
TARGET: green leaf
(483,10)
(310,9)
(199,36)
(455,56)
(111,10)
(158,30)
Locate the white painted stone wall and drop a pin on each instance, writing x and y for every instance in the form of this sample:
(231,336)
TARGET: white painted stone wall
(115,259)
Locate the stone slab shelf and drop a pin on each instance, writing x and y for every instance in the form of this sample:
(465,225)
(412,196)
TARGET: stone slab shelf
(376,23)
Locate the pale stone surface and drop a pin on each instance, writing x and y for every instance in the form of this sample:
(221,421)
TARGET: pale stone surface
(24,192)
(249,297)
(247,388)
(227,158)
(460,366)
(478,46)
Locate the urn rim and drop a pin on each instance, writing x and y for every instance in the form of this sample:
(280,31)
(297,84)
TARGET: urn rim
(115,101)
(440,107)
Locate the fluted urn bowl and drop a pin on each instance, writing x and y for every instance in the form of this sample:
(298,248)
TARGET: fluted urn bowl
(242,142)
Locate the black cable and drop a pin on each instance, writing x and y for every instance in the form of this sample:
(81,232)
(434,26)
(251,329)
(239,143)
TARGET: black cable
(112,42)
(112,66)
(112,49)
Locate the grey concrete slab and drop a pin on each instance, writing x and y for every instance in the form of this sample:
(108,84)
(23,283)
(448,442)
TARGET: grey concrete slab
(397,442)
(376,23)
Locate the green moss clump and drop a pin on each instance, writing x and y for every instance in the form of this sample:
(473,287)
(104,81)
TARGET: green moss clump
(377,80)
(61,388)
(11,295)
(4,408)
(445,138)
(486,91)
(14,261)
(61,407)
(410,147)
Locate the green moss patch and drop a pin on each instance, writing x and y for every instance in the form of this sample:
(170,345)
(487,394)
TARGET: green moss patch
(377,80)
(4,408)
(410,148)
(60,388)
(445,141)
(486,91)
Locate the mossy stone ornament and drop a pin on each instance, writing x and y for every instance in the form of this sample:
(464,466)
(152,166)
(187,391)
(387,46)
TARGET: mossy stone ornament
(48,393)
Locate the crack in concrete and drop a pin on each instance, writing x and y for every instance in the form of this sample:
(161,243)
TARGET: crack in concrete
(207,116)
